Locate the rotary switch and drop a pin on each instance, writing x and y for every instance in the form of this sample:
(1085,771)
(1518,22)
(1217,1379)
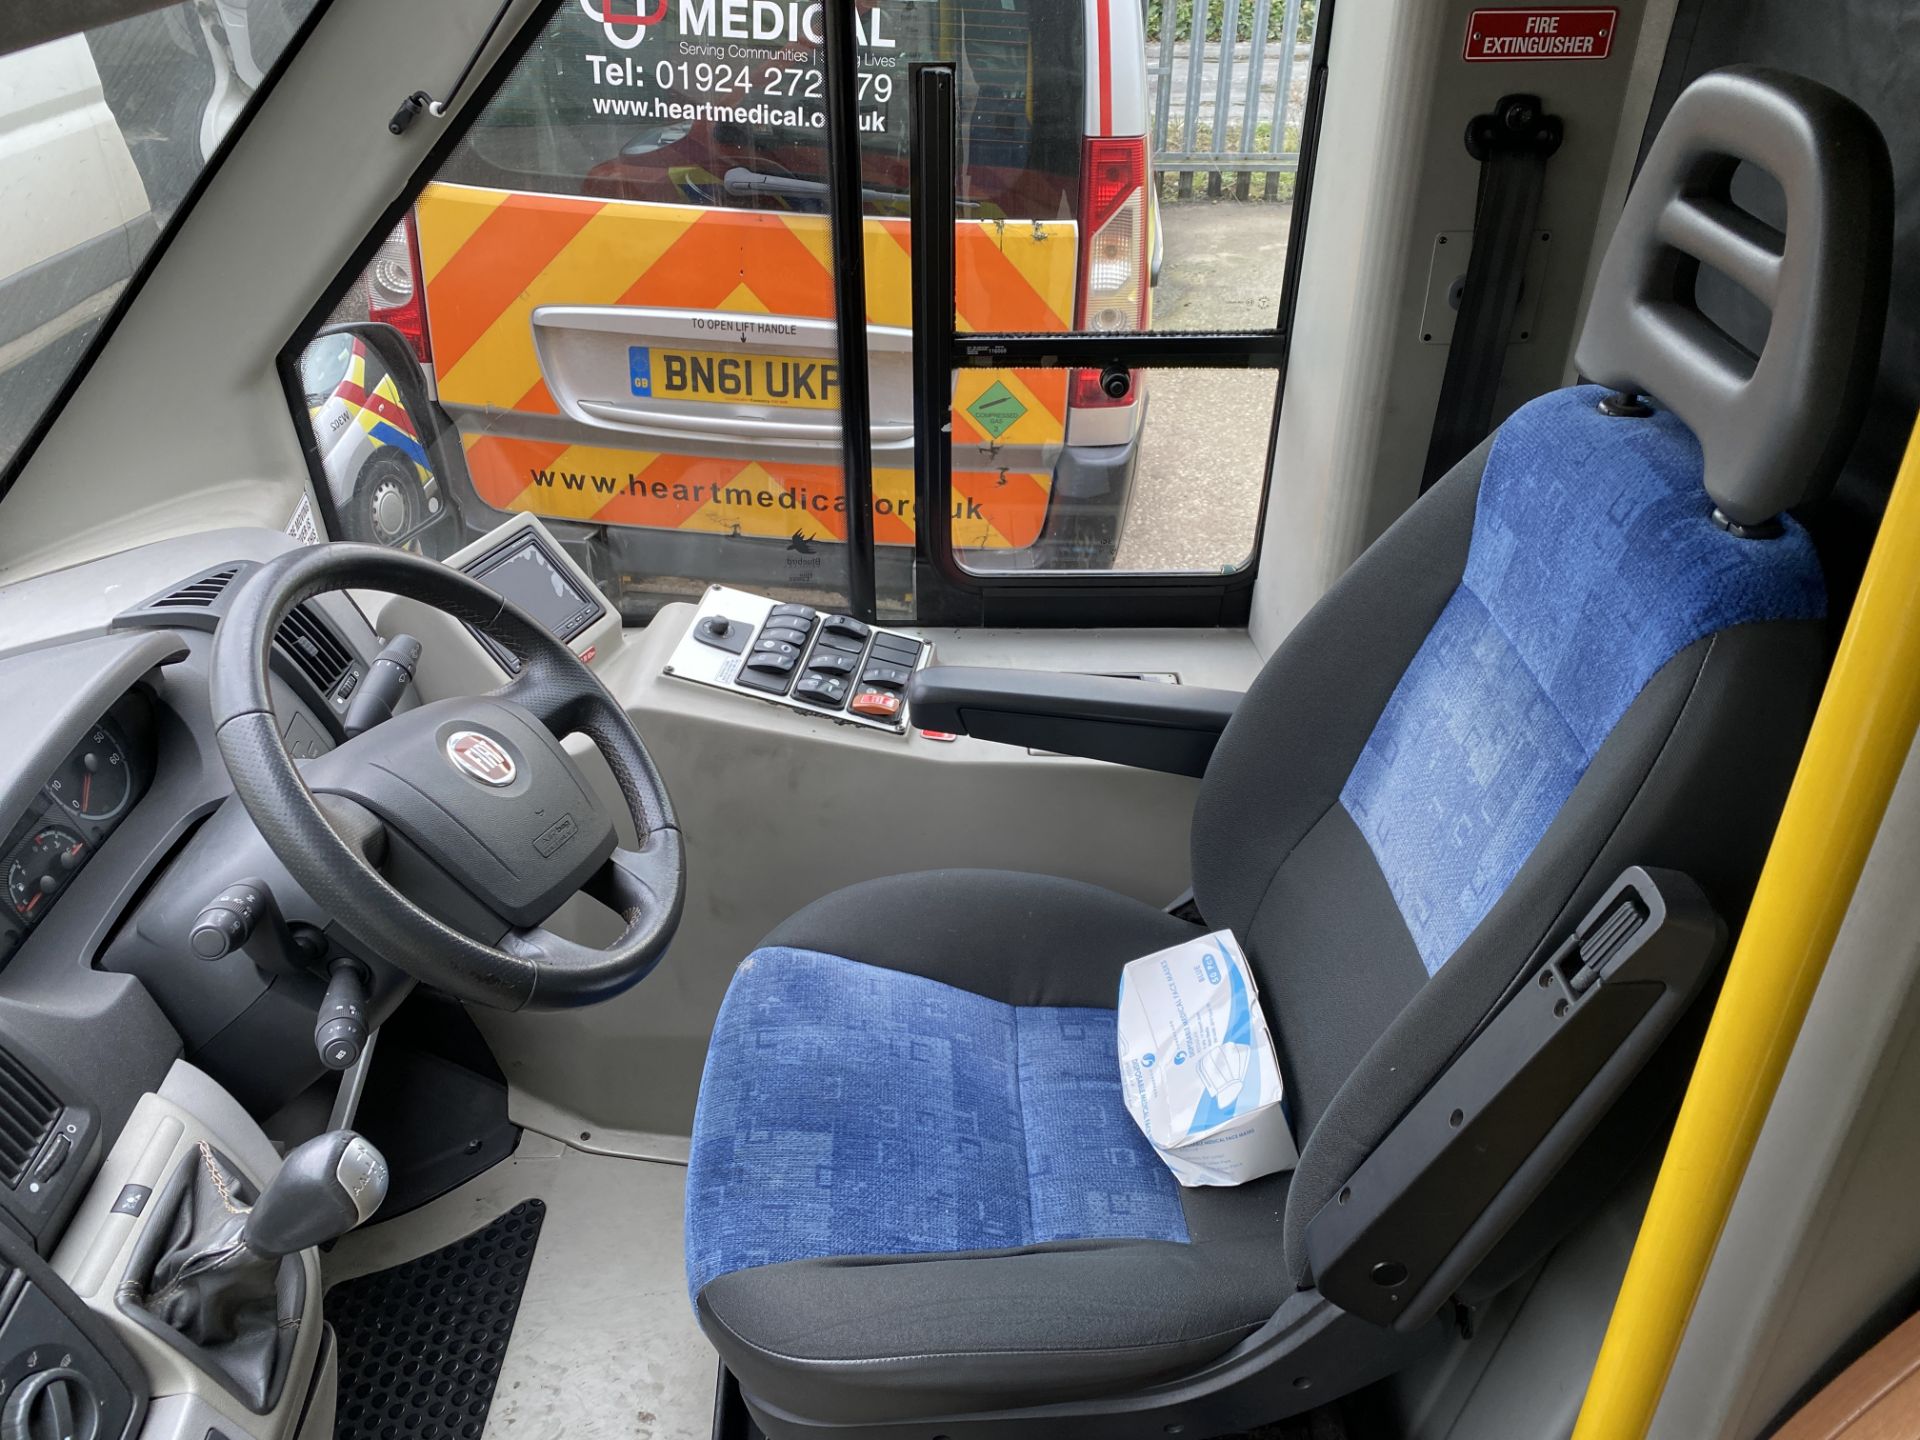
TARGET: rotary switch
(55,1404)
(723,633)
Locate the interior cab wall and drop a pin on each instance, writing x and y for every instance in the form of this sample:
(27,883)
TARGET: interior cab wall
(1820,1256)
(1393,175)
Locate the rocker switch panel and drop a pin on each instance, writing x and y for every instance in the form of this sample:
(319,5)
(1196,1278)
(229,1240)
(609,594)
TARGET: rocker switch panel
(794,655)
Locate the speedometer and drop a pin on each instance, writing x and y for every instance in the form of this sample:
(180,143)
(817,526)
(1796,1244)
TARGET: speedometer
(40,867)
(95,781)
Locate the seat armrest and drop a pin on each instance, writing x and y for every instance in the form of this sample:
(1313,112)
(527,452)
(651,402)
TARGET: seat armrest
(1142,723)
(1430,1202)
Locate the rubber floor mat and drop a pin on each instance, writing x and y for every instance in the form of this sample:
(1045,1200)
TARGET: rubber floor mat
(421,1344)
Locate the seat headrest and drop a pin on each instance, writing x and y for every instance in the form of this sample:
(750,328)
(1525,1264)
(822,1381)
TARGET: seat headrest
(1774,427)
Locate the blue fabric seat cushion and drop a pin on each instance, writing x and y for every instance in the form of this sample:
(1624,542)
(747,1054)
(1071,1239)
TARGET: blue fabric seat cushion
(1595,559)
(848,1109)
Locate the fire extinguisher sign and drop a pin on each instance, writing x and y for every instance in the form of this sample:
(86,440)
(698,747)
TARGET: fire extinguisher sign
(1541,33)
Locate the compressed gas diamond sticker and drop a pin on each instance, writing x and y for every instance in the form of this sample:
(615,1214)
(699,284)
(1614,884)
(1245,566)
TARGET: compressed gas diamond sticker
(996,409)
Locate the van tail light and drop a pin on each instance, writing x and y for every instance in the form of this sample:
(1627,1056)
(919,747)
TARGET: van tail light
(1113,252)
(394,295)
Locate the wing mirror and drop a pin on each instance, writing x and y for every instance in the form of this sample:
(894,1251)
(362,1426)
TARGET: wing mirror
(387,453)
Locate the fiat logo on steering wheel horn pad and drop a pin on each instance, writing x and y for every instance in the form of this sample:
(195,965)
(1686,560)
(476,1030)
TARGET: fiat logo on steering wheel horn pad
(482,757)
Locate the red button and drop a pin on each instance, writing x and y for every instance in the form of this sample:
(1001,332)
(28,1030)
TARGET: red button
(875,704)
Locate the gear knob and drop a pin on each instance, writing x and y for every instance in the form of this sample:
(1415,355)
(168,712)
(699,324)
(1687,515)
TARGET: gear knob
(322,1190)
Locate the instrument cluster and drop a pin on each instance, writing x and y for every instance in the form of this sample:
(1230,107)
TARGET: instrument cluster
(81,804)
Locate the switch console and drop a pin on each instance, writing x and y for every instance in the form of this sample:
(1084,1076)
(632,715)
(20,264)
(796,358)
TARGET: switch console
(801,657)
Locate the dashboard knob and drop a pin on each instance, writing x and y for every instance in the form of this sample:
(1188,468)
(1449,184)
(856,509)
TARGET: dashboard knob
(340,1027)
(217,932)
(227,923)
(55,1404)
(386,685)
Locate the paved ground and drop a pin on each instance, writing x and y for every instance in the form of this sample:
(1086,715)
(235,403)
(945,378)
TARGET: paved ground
(1203,461)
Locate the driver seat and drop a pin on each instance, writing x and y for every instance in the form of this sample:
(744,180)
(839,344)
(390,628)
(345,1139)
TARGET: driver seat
(915,1200)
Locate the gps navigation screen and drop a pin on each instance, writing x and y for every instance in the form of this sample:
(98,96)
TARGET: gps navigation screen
(527,575)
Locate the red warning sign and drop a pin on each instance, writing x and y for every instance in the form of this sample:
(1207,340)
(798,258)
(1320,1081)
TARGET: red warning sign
(1541,34)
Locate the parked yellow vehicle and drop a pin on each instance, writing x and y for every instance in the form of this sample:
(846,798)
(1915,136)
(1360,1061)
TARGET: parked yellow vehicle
(620,285)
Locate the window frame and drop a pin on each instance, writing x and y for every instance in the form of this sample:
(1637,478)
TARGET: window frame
(945,591)
(476,98)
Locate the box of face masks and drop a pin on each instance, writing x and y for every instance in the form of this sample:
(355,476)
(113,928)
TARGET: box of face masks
(1197,1064)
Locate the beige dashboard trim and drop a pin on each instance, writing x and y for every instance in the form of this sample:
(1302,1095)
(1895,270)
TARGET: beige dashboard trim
(188,1110)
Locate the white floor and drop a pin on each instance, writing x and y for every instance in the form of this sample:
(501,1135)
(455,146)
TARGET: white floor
(605,1343)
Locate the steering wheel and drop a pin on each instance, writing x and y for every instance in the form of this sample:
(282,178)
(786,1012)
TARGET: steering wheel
(475,804)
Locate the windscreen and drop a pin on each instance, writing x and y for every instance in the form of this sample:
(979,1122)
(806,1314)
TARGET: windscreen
(102,134)
(723,103)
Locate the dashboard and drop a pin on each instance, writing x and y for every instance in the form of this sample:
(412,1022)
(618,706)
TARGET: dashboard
(117,827)
(122,849)
(91,790)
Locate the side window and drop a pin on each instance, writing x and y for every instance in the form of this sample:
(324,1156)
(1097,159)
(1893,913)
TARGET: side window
(103,133)
(614,304)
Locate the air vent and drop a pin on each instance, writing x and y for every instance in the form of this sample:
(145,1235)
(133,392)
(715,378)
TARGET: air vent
(28,1113)
(305,640)
(312,646)
(199,594)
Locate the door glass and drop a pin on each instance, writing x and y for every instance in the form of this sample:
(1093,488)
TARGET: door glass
(1226,96)
(1051,473)
(1181,204)
(618,289)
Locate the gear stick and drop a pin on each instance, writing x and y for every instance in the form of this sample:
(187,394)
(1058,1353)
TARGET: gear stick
(322,1190)
(218,1265)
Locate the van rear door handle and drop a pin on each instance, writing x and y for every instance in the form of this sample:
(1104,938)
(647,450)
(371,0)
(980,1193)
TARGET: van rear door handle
(679,426)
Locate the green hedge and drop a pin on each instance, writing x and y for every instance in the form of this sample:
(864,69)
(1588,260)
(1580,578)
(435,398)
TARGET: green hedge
(1183,20)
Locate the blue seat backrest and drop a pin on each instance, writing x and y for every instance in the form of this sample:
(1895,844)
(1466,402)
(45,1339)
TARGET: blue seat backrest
(1595,559)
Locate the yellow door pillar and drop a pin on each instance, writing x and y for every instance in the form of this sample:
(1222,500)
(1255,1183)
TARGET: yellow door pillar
(1860,739)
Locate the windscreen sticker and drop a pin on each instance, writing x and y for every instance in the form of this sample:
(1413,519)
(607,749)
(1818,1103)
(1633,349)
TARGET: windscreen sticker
(301,526)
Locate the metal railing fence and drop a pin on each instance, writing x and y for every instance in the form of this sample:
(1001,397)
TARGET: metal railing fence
(1227,111)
